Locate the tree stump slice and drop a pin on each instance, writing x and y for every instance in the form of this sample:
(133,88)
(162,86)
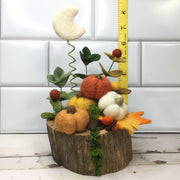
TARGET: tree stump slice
(72,151)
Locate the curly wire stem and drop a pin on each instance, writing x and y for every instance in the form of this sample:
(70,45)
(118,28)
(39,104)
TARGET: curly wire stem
(73,68)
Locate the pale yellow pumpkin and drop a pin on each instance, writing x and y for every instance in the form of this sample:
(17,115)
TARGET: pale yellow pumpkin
(80,102)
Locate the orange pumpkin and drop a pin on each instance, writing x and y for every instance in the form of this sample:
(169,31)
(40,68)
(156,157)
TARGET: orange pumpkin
(95,86)
(71,120)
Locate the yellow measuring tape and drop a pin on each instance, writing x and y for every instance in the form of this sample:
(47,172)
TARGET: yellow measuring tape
(123,43)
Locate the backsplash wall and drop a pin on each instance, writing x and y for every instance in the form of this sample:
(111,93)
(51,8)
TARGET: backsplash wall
(30,49)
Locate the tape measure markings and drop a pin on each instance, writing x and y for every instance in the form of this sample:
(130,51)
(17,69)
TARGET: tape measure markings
(123,43)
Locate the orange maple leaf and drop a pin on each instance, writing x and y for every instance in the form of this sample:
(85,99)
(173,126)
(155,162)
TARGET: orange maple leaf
(132,120)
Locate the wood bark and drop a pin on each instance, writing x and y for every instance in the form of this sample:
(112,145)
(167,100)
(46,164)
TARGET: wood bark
(72,151)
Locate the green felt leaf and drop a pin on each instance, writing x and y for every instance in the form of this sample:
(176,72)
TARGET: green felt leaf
(63,95)
(58,72)
(70,95)
(82,76)
(84,58)
(86,51)
(62,81)
(48,115)
(57,105)
(95,57)
(51,78)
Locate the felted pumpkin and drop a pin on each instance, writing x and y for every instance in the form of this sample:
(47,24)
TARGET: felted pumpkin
(80,102)
(71,120)
(95,86)
(113,105)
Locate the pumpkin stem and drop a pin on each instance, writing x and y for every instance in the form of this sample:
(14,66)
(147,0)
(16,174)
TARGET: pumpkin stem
(79,94)
(98,76)
(119,101)
(71,109)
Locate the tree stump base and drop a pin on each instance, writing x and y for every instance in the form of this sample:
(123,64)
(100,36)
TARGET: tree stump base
(72,151)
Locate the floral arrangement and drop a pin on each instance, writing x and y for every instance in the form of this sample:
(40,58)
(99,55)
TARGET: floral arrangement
(99,104)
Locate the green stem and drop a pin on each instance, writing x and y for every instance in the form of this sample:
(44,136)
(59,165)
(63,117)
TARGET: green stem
(86,70)
(73,68)
(111,66)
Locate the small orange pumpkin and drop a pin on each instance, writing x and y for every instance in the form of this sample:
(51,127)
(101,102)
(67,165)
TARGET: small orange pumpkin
(95,86)
(71,120)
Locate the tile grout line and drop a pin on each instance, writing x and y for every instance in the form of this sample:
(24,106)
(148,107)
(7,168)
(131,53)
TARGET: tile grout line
(93,13)
(0,19)
(48,68)
(140,73)
(0,62)
(0,109)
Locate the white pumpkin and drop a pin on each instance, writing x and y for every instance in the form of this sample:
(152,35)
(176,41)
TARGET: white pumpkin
(113,105)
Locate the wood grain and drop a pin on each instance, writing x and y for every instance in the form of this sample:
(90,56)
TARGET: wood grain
(72,151)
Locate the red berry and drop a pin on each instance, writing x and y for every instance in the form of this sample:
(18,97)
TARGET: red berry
(54,94)
(117,53)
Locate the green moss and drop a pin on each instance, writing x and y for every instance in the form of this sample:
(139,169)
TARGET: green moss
(96,152)
(94,112)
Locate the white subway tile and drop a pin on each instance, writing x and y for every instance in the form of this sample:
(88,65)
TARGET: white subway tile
(106,20)
(134,63)
(33,19)
(59,57)
(21,109)
(154,19)
(23,63)
(147,20)
(161,105)
(160,64)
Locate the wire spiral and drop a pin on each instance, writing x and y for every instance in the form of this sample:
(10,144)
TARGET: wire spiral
(73,68)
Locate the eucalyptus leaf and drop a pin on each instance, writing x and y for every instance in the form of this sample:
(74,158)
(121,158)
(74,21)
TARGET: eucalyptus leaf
(51,78)
(58,72)
(62,81)
(104,70)
(95,57)
(48,116)
(57,105)
(82,76)
(86,51)
(71,94)
(63,95)
(115,59)
(115,73)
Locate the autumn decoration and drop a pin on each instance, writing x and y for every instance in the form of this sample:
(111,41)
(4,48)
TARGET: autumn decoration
(89,127)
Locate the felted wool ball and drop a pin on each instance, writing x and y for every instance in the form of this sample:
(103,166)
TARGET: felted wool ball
(54,94)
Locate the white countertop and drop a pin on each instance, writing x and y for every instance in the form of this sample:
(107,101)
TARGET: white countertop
(28,157)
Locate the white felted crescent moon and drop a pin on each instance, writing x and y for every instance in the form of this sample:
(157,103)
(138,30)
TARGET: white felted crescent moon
(64,26)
